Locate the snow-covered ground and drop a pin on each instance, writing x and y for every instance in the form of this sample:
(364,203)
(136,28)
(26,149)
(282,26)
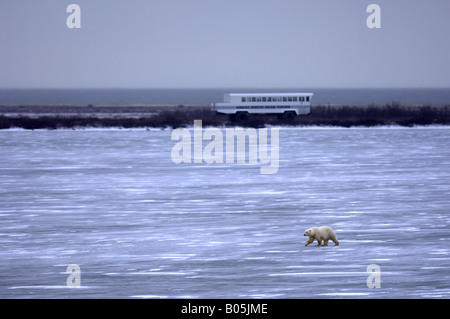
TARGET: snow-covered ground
(138,225)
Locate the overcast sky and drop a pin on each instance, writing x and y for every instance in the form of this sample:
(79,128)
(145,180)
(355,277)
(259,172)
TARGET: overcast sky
(217,43)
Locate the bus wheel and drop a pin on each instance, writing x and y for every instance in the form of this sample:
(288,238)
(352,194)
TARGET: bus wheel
(289,116)
(241,116)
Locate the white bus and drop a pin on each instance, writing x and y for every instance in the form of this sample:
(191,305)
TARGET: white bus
(287,105)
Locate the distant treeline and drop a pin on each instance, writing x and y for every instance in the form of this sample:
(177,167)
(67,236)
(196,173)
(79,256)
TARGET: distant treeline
(321,115)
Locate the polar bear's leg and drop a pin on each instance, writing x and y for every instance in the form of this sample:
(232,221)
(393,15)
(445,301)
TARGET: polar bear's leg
(325,242)
(334,239)
(309,241)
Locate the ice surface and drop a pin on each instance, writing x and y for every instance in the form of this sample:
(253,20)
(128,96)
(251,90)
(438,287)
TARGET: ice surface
(140,226)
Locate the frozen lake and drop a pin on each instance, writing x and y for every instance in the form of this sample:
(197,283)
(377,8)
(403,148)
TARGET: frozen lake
(140,226)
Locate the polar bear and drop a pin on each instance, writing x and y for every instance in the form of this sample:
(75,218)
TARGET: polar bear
(324,233)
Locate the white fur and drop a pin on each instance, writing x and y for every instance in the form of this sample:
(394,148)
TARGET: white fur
(320,234)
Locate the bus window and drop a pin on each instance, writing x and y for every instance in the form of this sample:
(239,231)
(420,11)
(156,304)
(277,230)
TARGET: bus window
(284,99)
(253,99)
(295,99)
(307,99)
(264,99)
(290,99)
(301,98)
(243,99)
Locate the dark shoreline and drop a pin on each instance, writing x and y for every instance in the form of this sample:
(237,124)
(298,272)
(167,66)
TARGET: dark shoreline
(161,116)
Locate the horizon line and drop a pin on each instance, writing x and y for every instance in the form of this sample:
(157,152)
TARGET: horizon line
(226,88)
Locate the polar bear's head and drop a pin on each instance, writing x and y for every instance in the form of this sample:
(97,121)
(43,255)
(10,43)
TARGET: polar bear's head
(309,232)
